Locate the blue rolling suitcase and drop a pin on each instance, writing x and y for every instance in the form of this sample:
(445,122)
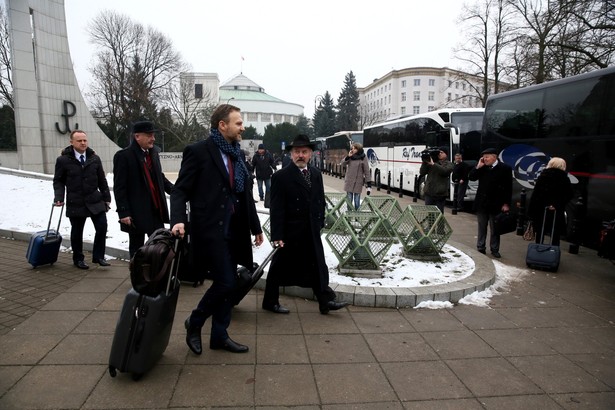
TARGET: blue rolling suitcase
(144,327)
(44,246)
(541,255)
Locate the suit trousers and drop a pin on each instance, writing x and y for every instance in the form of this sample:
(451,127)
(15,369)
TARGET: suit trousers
(100,238)
(136,238)
(485,219)
(217,302)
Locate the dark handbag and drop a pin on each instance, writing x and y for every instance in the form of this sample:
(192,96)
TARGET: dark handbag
(505,222)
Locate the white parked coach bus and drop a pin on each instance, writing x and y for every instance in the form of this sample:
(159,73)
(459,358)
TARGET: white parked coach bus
(396,145)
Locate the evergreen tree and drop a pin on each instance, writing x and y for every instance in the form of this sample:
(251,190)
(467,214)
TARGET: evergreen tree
(324,117)
(250,133)
(275,134)
(303,124)
(348,105)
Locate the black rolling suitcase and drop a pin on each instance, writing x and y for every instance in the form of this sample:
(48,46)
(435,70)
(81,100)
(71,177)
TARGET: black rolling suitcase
(247,278)
(541,255)
(44,246)
(144,327)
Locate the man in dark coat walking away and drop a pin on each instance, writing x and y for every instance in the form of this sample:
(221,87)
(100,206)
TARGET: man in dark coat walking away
(139,186)
(263,166)
(213,177)
(79,173)
(297,217)
(493,196)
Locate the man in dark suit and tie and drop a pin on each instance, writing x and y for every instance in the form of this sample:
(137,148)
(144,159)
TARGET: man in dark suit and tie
(213,177)
(494,195)
(139,186)
(297,217)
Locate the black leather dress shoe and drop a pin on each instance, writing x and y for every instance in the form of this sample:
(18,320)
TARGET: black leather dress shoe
(229,345)
(81,265)
(276,309)
(496,254)
(101,262)
(332,305)
(193,337)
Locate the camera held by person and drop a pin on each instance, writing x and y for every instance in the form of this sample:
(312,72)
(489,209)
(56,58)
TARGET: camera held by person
(430,154)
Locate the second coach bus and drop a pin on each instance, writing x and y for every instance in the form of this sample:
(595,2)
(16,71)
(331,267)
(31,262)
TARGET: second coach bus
(395,146)
(572,118)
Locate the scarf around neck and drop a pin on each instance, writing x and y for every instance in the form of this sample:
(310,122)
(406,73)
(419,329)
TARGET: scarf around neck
(357,155)
(234,152)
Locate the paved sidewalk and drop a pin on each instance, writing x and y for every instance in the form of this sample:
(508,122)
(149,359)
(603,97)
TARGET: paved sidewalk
(546,342)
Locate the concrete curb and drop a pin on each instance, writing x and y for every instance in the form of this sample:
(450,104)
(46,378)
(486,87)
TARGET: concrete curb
(385,297)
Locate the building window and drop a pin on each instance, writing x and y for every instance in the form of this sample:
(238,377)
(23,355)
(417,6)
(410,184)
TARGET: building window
(416,109)
(252,116)
(448,97)
(278,118)
(431,108)
(403,83)
(431,96)
(456,84)
(198,90)
(416,96)
(403,110)
(450,83)
(432,82)
(403,97)
(463,86)
(417,82)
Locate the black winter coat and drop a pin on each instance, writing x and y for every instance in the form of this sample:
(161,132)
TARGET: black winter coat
(204,182)
(494,187)
(552,188)
(263,165)
(87,191)
(297,217)
(132,194)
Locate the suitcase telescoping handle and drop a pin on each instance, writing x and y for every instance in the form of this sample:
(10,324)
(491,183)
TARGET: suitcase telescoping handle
(174,267)
(544,222)
(53,206)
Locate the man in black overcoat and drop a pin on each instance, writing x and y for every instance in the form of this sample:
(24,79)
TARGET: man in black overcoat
(139,186)
(213,177)
(79,173)
(297,217)
(493,196)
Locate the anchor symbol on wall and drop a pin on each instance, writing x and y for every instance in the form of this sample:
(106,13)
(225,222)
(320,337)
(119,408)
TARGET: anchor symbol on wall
(66,113)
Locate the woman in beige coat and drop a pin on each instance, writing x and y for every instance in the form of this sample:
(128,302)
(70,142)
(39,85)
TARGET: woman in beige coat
(357,173)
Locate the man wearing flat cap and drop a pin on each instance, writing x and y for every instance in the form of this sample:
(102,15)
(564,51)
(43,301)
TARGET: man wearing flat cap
(437,183)
(493,196)
(139,186)
(297,217)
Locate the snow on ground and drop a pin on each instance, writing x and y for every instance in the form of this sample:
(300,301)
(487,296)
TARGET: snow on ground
(26,205)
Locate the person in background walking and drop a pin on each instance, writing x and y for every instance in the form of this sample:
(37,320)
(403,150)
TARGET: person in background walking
(553,190)
(357,174)
(461,170)
(139,186)
(263,165)
(79,173)
(493,196)
(437,183)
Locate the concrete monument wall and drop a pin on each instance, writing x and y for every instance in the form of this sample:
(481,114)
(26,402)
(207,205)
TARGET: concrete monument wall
(48,101)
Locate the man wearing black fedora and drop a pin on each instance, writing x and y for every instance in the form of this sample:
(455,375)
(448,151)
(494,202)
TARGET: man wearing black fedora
(139,186)
(493,196)
(297,216)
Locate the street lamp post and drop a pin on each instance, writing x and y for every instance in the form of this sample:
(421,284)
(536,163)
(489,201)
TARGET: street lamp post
(317,99)
(232,98)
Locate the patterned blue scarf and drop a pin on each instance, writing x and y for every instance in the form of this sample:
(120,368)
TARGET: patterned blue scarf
(234,151)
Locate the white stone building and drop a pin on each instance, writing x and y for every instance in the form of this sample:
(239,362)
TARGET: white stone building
(416,90)
(258,108)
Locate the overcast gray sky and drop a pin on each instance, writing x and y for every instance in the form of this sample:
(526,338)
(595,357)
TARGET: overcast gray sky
(294,50)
